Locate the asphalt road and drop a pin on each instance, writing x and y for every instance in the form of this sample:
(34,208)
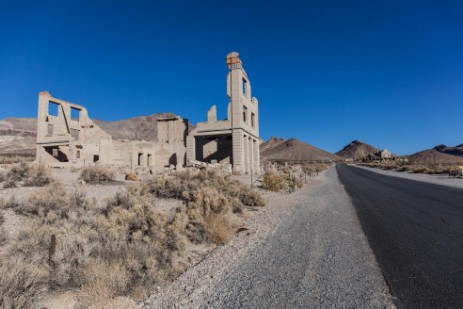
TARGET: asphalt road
(416,232)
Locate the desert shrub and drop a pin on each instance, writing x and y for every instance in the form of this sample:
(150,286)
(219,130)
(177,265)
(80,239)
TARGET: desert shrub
(218,229)
(38,176)
(123,247)
(29,176)
(2,231)
(96,174)
(275,182)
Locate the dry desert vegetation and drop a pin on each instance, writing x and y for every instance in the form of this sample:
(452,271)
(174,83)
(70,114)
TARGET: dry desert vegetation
(88,239)
(281,176)
(438,168)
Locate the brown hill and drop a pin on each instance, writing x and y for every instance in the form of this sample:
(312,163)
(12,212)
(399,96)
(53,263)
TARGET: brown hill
(17,135)
(427,157)
(357,150)
(271,143)
(456,151)
(20,133)
(293,150)
(137,128)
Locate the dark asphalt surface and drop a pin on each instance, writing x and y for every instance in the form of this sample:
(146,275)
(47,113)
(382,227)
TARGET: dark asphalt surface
(416,232)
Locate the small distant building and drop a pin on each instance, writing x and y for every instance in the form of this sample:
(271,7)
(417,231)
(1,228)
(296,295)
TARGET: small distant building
(385,154)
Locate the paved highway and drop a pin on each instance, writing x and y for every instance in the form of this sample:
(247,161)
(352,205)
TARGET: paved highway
(416,232)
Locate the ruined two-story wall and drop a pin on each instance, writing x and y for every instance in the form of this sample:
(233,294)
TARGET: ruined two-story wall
(66,135)
(234,140)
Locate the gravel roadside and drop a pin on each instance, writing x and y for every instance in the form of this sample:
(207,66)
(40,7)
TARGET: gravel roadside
(305,250)
(439,179)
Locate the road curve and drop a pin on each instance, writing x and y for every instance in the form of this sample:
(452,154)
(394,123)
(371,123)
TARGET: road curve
(416,232)
(316,257)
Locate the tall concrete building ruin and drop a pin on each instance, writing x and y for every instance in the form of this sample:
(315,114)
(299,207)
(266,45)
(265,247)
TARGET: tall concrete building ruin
(234,140)
(67,135)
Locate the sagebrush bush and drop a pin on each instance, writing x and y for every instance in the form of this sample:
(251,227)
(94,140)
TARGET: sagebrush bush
(123,247)
(96,174)
(27,175)
(275,182)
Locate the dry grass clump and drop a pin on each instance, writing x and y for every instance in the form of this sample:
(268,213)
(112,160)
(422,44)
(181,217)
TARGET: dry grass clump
(275,182)
(96,174)
(185,184)
(124,247)
(26,175)
(102,251)
(413,167)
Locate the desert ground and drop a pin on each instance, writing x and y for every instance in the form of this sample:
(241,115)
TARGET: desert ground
(216,249)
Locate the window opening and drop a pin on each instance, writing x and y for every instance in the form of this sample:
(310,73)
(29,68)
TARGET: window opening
(50,130)
(75,134)
(75,114)
(53,109)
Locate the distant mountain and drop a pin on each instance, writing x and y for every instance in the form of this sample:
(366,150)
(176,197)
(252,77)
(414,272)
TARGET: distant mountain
(456,151)
(17,135)
(271,143)
(138,128)
(357,150)
(427,157)
(293,150)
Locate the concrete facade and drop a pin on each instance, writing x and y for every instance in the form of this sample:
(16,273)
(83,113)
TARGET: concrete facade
(234,140)
(171,142)
(66,134)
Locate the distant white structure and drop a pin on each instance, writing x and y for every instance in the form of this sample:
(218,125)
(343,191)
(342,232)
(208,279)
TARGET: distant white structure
(385,154)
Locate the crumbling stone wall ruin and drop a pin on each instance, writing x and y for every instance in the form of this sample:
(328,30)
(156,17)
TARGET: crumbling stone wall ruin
(234,140)
(66,135)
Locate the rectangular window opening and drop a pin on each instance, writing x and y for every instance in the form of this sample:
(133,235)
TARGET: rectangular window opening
(53,109)
(49,130)
(75,114)
(140,155)
(244,84)
(75,134)
(96,158)
(148,160)
(253,119)
(245,111)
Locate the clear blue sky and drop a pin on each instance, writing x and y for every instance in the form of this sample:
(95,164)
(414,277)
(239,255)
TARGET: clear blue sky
(389,73)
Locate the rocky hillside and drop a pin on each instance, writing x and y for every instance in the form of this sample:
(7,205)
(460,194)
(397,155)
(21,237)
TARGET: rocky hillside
(456,151)
(427,157)
(138,128)
(293,150)
(17,134)
(357,150)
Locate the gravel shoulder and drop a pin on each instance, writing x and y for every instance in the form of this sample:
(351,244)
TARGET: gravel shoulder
(304,250)
(440,179)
